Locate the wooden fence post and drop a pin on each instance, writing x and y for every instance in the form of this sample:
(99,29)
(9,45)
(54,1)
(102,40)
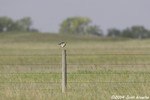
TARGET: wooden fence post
(64,71)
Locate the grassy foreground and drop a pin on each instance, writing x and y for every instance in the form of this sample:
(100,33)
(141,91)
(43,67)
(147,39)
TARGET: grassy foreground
(98,69)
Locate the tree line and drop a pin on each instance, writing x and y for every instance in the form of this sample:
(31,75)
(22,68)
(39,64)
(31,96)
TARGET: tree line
(22,25)
(130,32)
(82,25)
(76,25)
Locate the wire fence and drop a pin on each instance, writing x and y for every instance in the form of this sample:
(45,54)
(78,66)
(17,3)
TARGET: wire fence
(44,71)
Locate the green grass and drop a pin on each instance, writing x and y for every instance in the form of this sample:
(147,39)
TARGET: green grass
(30,67)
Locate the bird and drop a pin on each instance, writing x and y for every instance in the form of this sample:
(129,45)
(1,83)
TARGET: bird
(62,44)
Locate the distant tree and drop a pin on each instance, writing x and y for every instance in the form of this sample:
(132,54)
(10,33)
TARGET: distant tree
(136,32)
(75,25)
(127,33)
(114,32)
(79,25)
(139,32)
(94,30)
(5,23)
(33,30)
(22,25)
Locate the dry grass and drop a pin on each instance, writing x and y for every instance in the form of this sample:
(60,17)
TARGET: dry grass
(30,67)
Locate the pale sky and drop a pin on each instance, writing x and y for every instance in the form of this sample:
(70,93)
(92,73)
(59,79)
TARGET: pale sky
(48,14)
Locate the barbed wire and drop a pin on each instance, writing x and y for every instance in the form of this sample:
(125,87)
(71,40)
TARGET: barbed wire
(95,54)
(71,65)
(30,64)
(82,73)
(80,82)
(82,64)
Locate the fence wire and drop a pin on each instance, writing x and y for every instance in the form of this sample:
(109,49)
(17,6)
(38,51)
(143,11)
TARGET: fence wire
(82,69)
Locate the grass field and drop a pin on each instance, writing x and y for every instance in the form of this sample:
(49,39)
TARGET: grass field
(98,68)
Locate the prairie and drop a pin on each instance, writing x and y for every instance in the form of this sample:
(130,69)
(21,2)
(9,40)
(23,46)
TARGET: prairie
(98,68)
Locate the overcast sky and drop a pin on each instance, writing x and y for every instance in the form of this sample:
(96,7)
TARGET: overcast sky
(48,14)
